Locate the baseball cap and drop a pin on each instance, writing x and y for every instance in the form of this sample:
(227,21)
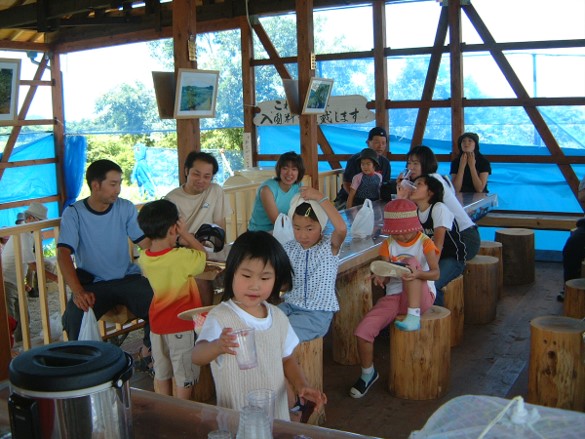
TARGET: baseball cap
(377,131)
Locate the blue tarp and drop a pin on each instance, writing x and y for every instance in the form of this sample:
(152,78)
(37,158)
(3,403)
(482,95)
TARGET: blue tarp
(37,181)
(530,187)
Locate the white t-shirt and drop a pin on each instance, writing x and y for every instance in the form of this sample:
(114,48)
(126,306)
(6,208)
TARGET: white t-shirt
(8,261)
(209,207)
(442,216)
(451,201)
(211,329)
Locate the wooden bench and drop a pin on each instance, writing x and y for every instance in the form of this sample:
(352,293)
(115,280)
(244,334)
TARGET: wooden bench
(530,220)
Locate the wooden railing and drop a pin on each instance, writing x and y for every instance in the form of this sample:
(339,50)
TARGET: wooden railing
(241,199)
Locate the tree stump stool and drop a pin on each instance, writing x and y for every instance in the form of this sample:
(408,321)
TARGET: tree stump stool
(420,361)
(480,289)
(354,292)
(309,355)
(453,298)
(556,375)
(494,248)
(574,303)
(204,390)
(517,255)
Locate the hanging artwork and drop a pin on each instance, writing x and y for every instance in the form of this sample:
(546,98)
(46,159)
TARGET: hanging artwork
(196,93)
(9,83)
(317,96)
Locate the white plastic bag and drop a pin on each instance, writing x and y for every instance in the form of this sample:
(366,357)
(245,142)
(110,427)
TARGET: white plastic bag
(283,230)
(89,327)
(363,223)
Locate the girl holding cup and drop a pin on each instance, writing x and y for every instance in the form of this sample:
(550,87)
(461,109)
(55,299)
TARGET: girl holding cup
(257,269)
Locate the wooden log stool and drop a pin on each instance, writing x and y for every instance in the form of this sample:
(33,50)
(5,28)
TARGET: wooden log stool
(420,361)
(494,248)
(574,303)
(453,299)
(354,292)
(309,355)
(480,289)
(556,374)
(517,255)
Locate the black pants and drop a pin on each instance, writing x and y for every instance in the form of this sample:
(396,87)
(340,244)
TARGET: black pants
(573,254)
(132,291)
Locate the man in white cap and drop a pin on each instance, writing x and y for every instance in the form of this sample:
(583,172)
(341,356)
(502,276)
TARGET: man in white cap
(35,212)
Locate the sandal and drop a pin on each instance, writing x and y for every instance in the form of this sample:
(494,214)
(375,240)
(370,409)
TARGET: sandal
(305,409)
(144,363)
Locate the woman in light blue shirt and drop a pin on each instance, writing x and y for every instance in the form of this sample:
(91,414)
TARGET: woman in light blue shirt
(274,195)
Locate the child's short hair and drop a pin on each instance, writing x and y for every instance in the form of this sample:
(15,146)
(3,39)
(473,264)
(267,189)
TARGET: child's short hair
(435,186)
(293,158)
(263,246)
(157,217)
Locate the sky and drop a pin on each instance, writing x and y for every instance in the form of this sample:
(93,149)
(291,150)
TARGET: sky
(90,74)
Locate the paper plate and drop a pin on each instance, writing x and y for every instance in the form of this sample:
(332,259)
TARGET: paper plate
(190,314)
(388,269)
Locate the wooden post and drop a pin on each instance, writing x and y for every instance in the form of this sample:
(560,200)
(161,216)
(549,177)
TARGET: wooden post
(494,248)
(480,288)
(420,361)
(309,355)
(306,70)
(517,255)
(556,375)
(453,298)
(574,303)
(354,290)
(185,25)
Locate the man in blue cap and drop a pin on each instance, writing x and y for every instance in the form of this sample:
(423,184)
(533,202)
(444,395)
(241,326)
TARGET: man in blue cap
(378,141)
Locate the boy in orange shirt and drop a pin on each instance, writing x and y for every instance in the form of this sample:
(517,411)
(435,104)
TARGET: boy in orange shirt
(170,271)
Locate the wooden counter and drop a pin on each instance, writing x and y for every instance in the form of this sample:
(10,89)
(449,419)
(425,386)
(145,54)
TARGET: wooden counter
(159,417)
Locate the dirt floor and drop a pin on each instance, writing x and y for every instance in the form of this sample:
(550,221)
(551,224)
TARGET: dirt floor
(491,360)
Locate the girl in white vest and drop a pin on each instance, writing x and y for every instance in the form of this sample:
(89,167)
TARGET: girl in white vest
(257,269)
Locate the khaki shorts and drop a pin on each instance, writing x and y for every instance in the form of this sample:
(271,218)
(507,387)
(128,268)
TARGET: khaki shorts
(171,355)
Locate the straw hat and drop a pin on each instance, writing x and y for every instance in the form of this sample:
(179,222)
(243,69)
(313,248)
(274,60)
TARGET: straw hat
(400,217)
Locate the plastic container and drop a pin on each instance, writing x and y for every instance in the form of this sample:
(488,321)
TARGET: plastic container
(466,417)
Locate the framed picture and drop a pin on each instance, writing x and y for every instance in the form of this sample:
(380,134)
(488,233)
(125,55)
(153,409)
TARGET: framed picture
(9,83)
(196,93)
(317,96)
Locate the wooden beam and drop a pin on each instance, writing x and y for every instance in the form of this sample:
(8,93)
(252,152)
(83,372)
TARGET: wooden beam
(185,25)
(59,127)
(380,66)
(22,163)
(456,66)
(307,123)
(270,50)
(431,78)
(5,349)
(514,81)
(249,92)
(11,142)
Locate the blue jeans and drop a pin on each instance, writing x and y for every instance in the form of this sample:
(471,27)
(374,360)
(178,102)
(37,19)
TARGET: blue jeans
(450,269)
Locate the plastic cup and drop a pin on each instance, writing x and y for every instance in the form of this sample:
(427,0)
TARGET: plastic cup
(246,352)
(263,398)
(219,434)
